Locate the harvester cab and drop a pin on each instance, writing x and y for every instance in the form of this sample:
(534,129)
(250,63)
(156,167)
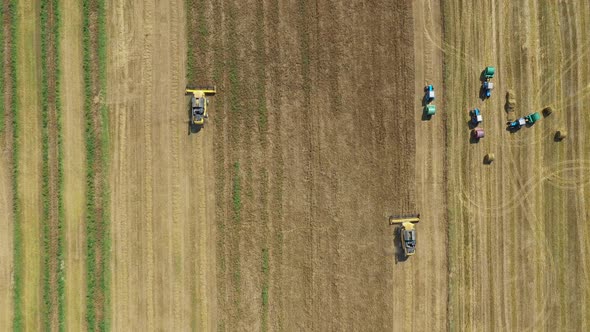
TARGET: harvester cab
(199,103)
(407,232)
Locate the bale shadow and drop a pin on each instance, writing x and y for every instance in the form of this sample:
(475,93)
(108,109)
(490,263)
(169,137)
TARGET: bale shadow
(473,140)
(547,111)
(557,137)
(482,76)
(471,125)
(424,101)
(193,128)
(512,130)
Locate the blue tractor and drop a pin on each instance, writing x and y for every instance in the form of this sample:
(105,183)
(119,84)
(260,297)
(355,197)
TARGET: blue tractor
(476,117)
(515,125)
(429,93)
(487,88)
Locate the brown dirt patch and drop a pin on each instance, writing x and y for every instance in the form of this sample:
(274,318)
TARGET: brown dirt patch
(317,184)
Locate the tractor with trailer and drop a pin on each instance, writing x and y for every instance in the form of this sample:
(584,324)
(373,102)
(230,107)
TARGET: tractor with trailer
(529,120)
(516,124)
(407,232)
(429,93)
(487,86)
(476,117)
(199,103)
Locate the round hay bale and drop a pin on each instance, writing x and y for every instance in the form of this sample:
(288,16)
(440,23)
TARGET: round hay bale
(560,135)
(489,158)
(547,111)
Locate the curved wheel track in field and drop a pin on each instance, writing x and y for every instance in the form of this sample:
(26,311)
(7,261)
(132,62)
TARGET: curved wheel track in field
(550,174)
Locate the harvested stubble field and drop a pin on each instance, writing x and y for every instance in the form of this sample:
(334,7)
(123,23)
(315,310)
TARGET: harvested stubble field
(273,216)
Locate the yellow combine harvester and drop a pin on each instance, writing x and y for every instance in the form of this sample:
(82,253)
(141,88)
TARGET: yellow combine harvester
(407,231)
(199,103)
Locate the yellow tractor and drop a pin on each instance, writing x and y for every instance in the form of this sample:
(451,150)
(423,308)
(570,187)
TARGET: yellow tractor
(407,232)
(198,104)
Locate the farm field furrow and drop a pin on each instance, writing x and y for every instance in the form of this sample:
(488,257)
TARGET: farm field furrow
(52,219)
(74,164)
(29,164)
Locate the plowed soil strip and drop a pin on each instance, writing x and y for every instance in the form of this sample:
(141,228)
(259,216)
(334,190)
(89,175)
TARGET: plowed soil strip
(8,250)
(53,281)
(94,43)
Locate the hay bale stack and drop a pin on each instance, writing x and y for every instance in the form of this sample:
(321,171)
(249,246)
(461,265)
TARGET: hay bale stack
(510,100)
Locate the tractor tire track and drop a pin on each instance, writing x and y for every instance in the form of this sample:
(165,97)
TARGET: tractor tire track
(148,220)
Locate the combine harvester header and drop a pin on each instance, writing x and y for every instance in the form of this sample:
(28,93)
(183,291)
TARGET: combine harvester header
(400,219)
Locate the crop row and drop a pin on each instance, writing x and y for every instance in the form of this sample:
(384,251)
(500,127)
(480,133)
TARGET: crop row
(17,249)
(97,237)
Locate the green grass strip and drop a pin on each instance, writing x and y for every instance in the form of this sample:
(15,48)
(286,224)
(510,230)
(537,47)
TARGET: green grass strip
(90,160)
(265,282)
(61,303)
(18,250)
(93,237)
(104,278)
(46,317)
(60,277)
(237,212)
(236,193)
(261,72)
